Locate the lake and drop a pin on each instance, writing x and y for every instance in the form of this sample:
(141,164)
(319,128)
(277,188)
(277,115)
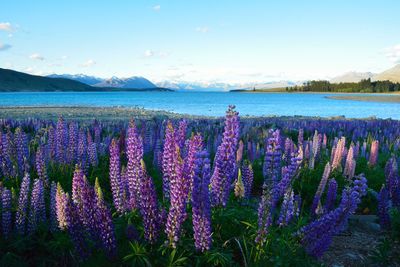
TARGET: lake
(211,103)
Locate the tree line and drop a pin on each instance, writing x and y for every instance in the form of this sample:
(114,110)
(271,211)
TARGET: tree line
(364,86)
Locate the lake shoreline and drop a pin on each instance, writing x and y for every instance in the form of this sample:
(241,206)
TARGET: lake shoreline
(126,113)
(395,98)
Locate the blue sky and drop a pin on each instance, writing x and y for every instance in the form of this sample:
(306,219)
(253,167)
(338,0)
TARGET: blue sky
(208,40)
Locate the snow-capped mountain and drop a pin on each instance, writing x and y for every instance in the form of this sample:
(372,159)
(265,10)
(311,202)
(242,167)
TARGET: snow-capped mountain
(352,77)
(89,80)
(132,82)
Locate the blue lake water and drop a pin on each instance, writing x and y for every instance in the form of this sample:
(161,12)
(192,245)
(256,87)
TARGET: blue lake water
(211,103)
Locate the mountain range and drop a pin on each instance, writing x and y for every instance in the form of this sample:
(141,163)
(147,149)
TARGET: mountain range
(11,80)
(392,74)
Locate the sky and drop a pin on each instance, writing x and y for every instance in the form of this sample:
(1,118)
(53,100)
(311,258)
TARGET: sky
(205,41)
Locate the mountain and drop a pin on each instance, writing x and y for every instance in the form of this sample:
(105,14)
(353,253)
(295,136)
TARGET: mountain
(352,77)
(220,86)
(392,75)
(89,80)
(11,80)
(132,82)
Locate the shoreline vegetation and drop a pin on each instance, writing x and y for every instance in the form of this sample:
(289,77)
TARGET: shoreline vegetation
(395,98)
(126,113)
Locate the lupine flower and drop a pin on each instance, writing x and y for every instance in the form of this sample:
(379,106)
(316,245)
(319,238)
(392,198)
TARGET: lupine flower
(149,207)
(167,157)
(117,187)
(61,207)
(61,134)
(181,134)
(272,160)
(393,181)
(37,214)
(134,153)
(317,236)
(178,195)
(316,146)
(82,157)
(337,159)
(23,201)
(248,177)
(321,187)
(72,143)
(373,157)
(6,212)
(53,207)
(201,211)
(41,166)
(195,145)
(331,195)
(225,159)
(287,209)
(21,146)
(383,208)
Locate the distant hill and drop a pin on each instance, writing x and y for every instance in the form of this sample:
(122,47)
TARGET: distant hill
(12,81)
(352,77)
(89,80)
(392,75)
(132,82)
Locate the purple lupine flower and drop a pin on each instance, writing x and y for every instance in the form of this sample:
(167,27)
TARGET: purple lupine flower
(134,145)
(181,134)
(117,187)
(82,157)
(72,143)
(317,236)
(373,157)
(21,145)
(37,214)
(6,146)
(41,166)
(331,195)
(167,158)
(6,212)
(149,207)
(105,232)
(272,160)
(225,159)
(297,205)
(178,194)
(61,207)
(201,202)
(23,201)
(77,185)
(53,207)
(393,181)
(61,140)
(92,151)
(248,177)
(383,208)
(195,145)
(316,146)
(316,205)
(287,209)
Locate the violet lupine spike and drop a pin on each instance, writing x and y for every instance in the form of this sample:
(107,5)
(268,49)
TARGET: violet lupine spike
(195,145)
(53,207)
(37,214)
(77,185)
(61,207)
(21,145)
(287,209)
(316,146)
(23,202)
(225,160)
(316,237)
(201,202)
(105,227)
(383,208)
(248,177)
(272,160)
(149,207)
(393,181)
(117,187)
(178,195)
(167,158)
(331,195)
(61,138)
(72,143)
(134,146)
(82,157)
(373,157)
(181,134)
(41,166)
(348,169)
(6,213)
(321,187)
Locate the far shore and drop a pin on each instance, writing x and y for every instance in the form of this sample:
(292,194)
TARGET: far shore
(395,98)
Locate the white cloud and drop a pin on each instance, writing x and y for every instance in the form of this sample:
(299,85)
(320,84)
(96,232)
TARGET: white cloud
(148,53)
(64,57)
(88,63)
(36,56)
(202,29)
(4,47)
(6,26)
(393,53)
(156,8)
